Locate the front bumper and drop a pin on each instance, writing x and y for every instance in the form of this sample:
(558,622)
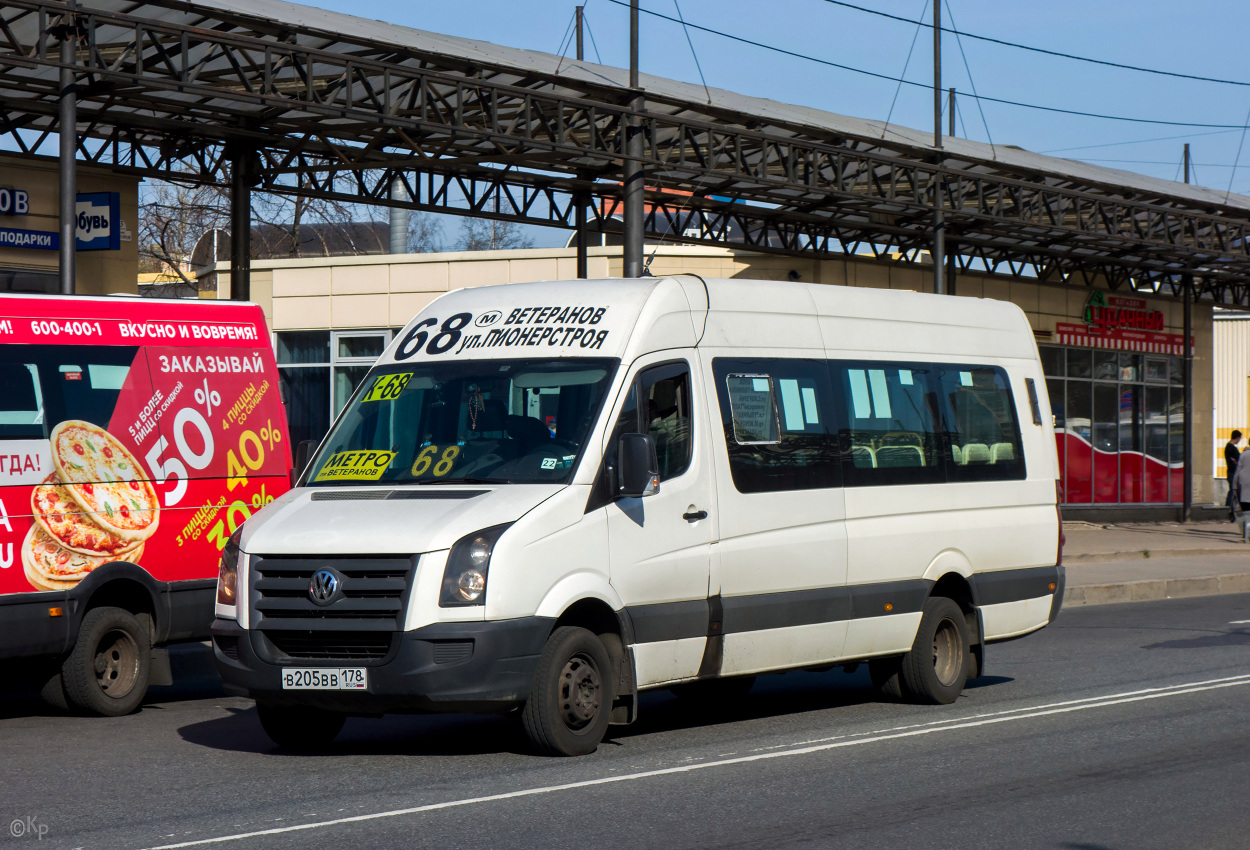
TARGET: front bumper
(418,674)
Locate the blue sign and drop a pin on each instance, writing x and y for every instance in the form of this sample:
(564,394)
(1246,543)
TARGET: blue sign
(99,221)
(11,237)
(14,201)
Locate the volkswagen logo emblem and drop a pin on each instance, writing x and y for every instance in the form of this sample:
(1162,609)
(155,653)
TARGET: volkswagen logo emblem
(324,587)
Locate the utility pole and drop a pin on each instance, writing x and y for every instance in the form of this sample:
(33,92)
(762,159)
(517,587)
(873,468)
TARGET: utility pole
(240,223)
(67,128)
(949,249)
(581,199)
(1187,378)
(633,158)
(939,218)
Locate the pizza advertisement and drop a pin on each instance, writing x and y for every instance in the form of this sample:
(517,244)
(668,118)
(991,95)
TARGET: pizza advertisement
(138,442)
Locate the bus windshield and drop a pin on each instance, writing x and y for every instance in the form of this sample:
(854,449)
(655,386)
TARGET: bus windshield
(480,421)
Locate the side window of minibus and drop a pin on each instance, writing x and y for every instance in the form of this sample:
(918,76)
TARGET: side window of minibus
(665,392)
(893,436)
(778,419)
(981,420)
(21,399)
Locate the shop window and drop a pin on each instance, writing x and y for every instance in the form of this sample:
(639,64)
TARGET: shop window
(1052,360)
(1080,363)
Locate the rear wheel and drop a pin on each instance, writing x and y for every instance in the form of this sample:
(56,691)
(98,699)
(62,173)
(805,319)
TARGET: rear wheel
(936,669)
(301,730)
(107,671)
(571,696)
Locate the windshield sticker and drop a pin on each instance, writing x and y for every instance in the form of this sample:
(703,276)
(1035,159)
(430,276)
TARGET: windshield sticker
(387,387)
(556,327)
(436,461)
(355,466)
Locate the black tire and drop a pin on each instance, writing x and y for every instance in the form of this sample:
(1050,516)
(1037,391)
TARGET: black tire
(301,730)
(936,669)
(571,695)
(107,671)
(715,694)
(886,678)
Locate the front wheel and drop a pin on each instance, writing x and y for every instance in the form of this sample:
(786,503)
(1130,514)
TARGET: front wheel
(301,730)
(936,669)
(107,671)
(571,695)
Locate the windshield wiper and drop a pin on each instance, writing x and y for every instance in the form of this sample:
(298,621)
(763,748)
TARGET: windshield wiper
(465,480)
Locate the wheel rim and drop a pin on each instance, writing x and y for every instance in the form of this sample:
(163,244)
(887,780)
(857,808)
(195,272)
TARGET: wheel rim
(947,652)
(581,692)
(117,664)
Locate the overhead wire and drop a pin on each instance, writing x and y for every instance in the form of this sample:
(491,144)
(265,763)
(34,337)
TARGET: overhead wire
(686,31)
(984,98)
(566,40)
(1236,159)
(971,82)
(907,62)
(1140,141)
(1057,53)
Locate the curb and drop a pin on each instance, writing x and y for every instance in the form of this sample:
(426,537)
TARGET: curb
(1151,589)
(1142,554)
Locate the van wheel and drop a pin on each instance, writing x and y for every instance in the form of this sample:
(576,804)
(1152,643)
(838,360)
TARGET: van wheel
(571,695)
(937,667)
(886,676)
(301,730)
(107,671)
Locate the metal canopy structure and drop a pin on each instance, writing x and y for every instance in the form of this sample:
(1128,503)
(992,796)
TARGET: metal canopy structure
(302,101)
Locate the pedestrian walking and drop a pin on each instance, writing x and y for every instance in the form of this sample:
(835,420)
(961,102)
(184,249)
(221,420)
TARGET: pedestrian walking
(1231,455)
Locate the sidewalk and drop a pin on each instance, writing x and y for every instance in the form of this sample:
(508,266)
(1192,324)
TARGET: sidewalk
(1134,562)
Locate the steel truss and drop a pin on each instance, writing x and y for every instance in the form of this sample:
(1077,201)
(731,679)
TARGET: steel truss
(183,94)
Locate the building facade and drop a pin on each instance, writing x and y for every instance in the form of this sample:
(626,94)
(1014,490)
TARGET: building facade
(1113,362)
(29,228)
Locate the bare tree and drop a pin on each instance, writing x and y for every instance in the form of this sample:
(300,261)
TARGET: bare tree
(425,233)
(172,218)
(486,234)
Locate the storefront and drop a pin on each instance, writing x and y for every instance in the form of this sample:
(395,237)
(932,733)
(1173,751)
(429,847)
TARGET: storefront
(107,258)
(1117,394)
(1113,362)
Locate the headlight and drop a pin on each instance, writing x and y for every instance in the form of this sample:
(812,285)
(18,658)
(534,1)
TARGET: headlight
(228,574)
(468,564)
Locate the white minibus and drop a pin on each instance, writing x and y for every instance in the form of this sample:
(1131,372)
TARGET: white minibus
(549,497)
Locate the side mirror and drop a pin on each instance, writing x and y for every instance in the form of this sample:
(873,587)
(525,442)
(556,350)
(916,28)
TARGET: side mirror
(638,467)
(302,452)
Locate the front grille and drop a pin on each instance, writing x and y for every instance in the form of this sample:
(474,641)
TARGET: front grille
(355,646)
(372,596)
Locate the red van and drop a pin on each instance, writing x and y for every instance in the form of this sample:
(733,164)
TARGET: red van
(135,436)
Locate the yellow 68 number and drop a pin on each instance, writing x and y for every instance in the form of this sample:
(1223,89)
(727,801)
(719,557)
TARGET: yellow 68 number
(426,459)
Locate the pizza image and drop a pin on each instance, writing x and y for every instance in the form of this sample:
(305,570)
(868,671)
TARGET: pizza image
(50,566)
(68,524)
(101,475)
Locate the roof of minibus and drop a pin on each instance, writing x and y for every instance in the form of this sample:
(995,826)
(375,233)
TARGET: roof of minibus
(120,320)
(624,318)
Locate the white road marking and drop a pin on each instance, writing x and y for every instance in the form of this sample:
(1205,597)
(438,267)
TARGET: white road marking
(895,733)
(1238,622)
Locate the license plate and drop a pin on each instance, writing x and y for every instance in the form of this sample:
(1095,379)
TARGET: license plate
(325,679)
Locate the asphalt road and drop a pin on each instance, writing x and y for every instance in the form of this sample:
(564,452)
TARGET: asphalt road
(1121,726)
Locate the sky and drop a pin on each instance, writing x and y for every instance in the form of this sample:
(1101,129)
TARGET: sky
(1203,39)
